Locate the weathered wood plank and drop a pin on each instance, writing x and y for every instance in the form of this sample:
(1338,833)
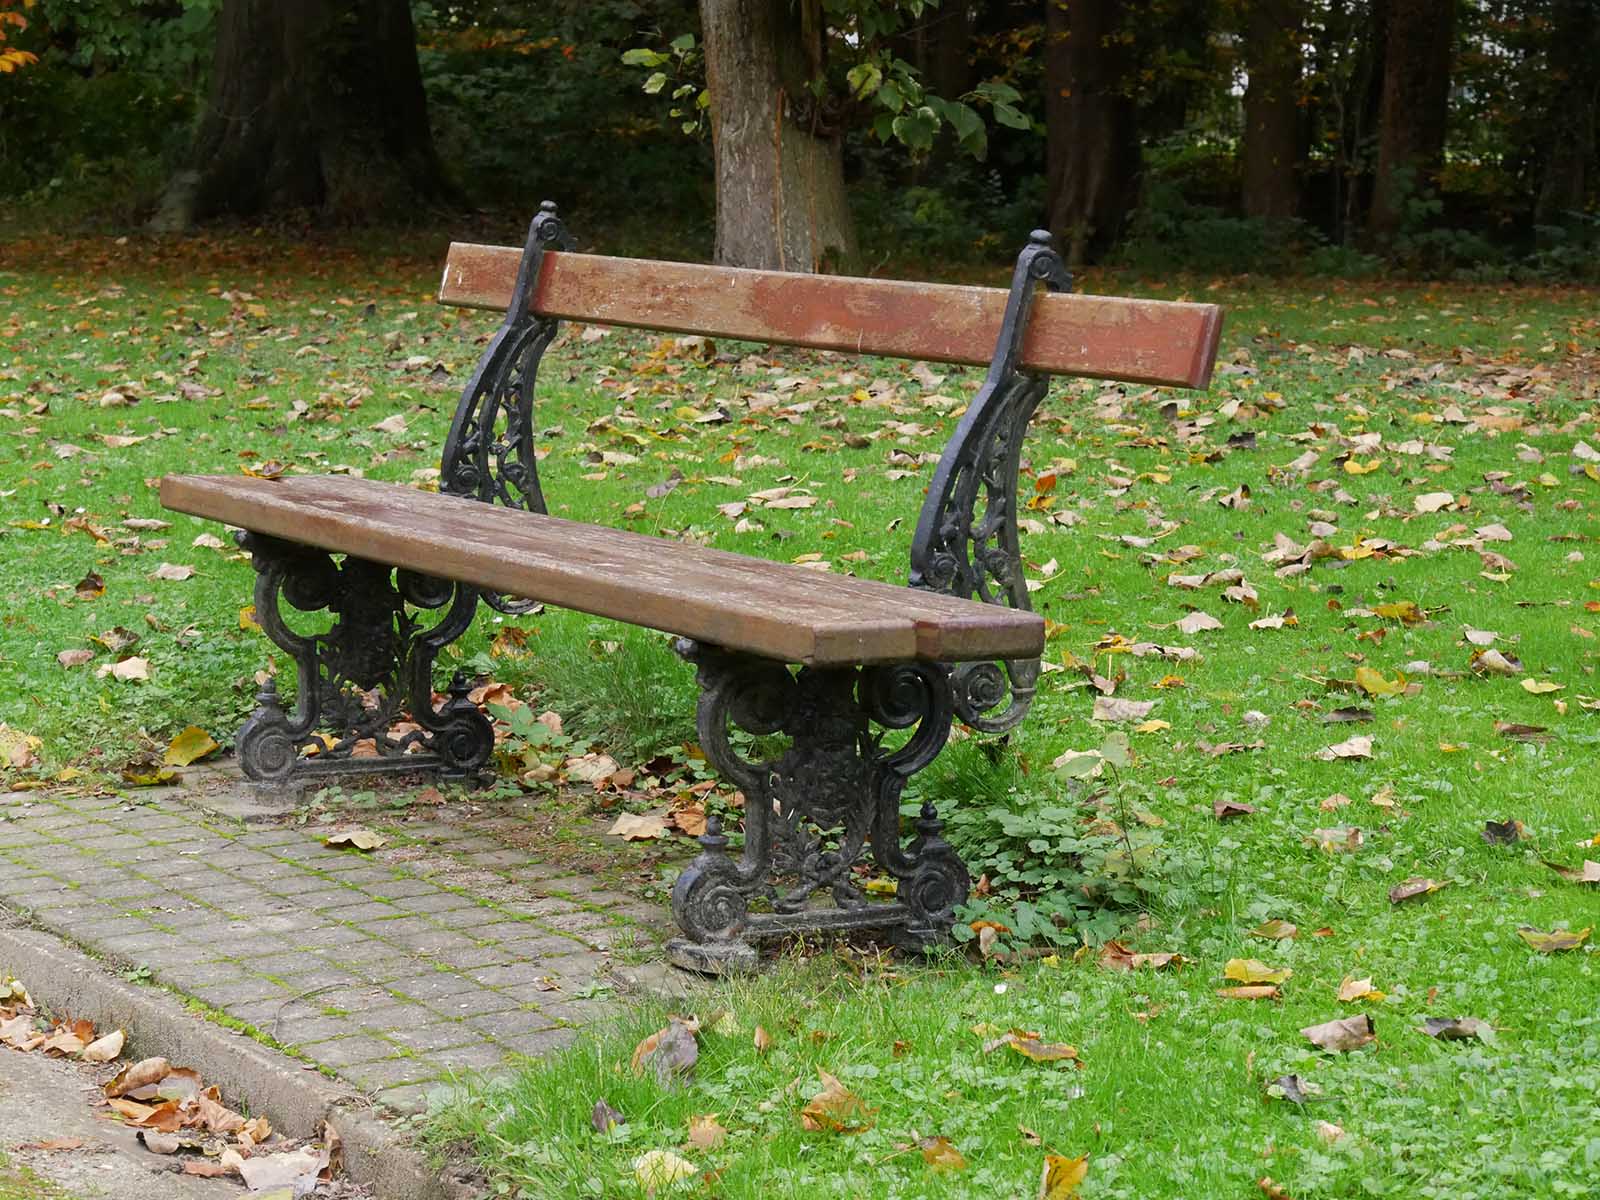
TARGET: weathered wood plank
(779,610)
(1103,337)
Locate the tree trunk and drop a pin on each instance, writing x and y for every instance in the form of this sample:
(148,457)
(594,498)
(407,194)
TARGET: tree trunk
(779,164)
(1271,150)
(1092,148)
(1572,123)
(1416,94)
(314,104)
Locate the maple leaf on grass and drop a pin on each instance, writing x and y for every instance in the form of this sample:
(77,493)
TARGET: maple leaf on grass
(835,1109)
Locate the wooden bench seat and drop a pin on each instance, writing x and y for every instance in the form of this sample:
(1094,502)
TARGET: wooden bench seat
(777,610)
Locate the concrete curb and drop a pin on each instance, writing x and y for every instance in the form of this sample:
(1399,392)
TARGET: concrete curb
(296,1101)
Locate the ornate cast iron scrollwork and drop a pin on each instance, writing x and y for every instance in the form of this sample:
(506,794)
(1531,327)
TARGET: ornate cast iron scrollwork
(489,454)
(966,540)
(360,676)
(813,808)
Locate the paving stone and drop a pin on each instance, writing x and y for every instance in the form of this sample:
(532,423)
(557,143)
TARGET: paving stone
(511,974)
(510,1026)
(349,1050)
(375,1076)
(438,1035)
(433,986)
(484,1056)
(540,1042)
(465,918)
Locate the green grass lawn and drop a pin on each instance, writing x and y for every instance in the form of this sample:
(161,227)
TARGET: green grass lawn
(1337,407)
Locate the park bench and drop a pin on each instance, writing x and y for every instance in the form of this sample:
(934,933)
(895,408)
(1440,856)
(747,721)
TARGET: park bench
(829,662)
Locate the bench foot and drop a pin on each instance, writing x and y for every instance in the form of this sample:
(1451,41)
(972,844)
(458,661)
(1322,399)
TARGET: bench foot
(358,680)
(727,956)
(818,806)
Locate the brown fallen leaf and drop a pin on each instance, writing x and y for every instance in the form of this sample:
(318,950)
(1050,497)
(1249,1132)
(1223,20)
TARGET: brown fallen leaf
(604,1118)
(1503,833)
(1030,1046)
(669,1052)
(1458,1029)
(1588,873)
(1414,888)
(1275,930)
(1359,746)
(705,1133)
(835,1109)
(137,1075)
(762,1040)
(1342,1034)
(940,1155)
(1352,989)
(54,1145)
(104,1049)
(1555,941)
(1225,809)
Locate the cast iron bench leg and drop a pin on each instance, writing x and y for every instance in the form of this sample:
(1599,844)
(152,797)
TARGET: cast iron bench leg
(357,678)
(814,808)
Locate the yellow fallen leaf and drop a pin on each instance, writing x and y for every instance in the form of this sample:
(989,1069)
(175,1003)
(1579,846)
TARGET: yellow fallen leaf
(1062,1176)
(356,839)
(1253,970)
(1374,684)
(1540,687)
(657,1169)
(1354,466)
(189,746)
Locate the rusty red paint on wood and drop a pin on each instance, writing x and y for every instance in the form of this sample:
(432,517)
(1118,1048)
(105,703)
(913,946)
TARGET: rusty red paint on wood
(1102,337)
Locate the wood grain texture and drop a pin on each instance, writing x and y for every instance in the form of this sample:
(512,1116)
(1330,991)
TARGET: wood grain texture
(778,610)
(1101,337)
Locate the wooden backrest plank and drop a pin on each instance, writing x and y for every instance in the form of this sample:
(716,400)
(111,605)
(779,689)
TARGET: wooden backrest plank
(1101,337)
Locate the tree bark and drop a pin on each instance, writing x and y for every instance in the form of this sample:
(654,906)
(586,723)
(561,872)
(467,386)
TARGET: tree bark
(1416,94)
(1092,142)
(1573,123)
(779,164)
(1272,138)
(314,104)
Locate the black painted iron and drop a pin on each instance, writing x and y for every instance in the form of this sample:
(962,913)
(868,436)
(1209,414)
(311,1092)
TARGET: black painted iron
(363,676)
(356,680)
(815,807)
(966,540)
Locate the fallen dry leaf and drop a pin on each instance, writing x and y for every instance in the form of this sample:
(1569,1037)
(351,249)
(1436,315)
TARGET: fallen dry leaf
(835,1109)
(1359,746)
(356,839)
(1352,989)
(1555,941)
(669,1052)
(638,827)
(1030,1046)
(1253,970)
(1341,1034)
(940,1155)
(1275,930)
(657,1169)
(103,1050)
(705,1133)
(1458,1029)
(1251,991)
(1413,888)
(604,1118)
(1588,873)
(190,746)
(1062,1176)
